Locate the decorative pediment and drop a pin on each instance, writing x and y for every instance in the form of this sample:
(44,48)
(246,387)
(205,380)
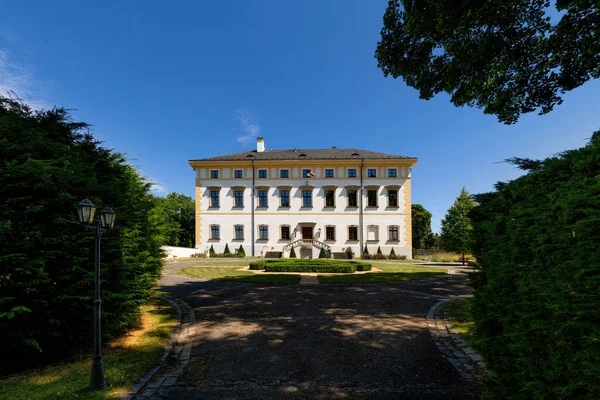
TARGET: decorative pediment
(329,187)
(372,187)
(238,187)
(393,187)
(352,187)
(213,187)
(307,187)
(284,187)
(262,187)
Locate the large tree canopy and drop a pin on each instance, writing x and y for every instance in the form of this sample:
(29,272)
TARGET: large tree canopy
(506,57)
(457,229)
(422,236)
(174,219)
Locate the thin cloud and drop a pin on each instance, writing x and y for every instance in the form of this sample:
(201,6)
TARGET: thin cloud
(18,79)
(248,126)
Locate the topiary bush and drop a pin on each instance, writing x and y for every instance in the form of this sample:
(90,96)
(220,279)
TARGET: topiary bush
(241,253)
(212,251)
(227,252)
(365,251)
(292,253)
(536,301)
(322,253)
(363,267)
(334,267)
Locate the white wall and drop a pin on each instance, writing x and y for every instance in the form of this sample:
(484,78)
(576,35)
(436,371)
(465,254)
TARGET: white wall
(178,252)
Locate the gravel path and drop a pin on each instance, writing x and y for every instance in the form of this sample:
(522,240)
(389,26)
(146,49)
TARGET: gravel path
(316,341)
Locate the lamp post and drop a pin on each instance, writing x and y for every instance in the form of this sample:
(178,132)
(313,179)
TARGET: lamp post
(86,211)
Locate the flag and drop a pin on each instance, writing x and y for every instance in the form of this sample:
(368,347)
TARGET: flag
(311,174)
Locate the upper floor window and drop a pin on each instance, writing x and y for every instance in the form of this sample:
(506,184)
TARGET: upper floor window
(307,198)
(353,233)
(352,198)
(330,233)
(393,233)
(238,174)
(372,198)
(392,173)
(328,173)
(214,198)
(262,173)
(214,232)
(284,194)
(285,232)
(263,232)
(284,173)
(238,198)
(329,198)
(263,198)
(352,173)
(214,174)
(372,173)
(392,198)
(239,232)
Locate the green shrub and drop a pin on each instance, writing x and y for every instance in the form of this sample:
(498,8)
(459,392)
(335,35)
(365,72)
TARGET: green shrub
(241,253)
(292,253)
(212,251)
(227,252)
(365,250)
(536,301)
(309,267)
(379,253)
(392,253)
(363,267)
(258,265)
(48,164)
(322,253)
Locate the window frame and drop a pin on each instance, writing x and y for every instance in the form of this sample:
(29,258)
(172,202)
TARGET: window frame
(390,239)
(325,198)
(265,198)
(260,227)
(235,232)
(214,174)
(211,198)
(394,175)
(281,171)
(218,230)
(352,227)
(281,198)
(355,197)
(349,175)
(260,173)
(241,174)
(376,233)
(289,232)
(369,199)
(304,198)
(235,198)
(332,170)
(389,197)
(327,228)
(372,170)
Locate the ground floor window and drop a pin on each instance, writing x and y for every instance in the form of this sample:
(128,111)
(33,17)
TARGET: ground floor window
(214,232)
(285,232)
(353,233)
(330,233)
(239,232)
(393,233)
(263,232)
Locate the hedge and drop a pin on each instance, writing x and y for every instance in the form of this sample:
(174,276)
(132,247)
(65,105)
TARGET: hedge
(537,299)
(304,265)
(308,267)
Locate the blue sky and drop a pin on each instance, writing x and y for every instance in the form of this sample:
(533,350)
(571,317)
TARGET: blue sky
(167,82)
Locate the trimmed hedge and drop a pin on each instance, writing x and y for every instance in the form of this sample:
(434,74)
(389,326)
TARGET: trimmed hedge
(303,265)
(308,267)
(536,301)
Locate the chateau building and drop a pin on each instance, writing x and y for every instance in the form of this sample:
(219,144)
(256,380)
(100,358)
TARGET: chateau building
(275,200)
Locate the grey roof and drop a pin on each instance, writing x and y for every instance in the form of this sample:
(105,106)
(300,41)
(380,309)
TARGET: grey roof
(304,154)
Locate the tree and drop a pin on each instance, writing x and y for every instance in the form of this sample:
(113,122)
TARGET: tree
(292,253)
(48,164)
(227,252)
(366,250)
(212,252)
(392,253)
(422,236)
(457,228)
(174,218)
(506,57)
(241,252)
(379,253)
(322,253)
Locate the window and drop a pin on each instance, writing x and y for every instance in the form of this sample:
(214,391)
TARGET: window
(214,174)
(352,198)
(352,173)
(285,232)
(372,173)
(392,173)
(263,232)
(239,198)
(307,173)
(329,198)
(238,174)
(285,197)
(330,233)
(373,232)
(284,173)
(393,233)
(328,173)
(214,232)
(263,198)
(262,173)
(392,198)
(307,198)
(372,198)
(239,232)
(214,198)
(353,233)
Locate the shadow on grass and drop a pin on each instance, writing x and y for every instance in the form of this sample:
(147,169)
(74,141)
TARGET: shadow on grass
(274,279)
(377,277)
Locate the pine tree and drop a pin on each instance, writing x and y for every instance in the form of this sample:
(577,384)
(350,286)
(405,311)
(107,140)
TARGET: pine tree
(392,254)
(212,251)
(227,252)
(241,252)
(366,250)
(457,227)
(379,252)
(322,253)
(293,253)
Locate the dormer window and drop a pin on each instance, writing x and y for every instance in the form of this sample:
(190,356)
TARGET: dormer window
(354,154)
(302,155)
(250,156)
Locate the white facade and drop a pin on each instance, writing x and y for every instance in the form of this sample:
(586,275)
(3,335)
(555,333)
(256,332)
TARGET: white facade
(338,227)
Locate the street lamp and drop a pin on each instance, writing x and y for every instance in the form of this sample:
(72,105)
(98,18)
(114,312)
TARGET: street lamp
(86,211)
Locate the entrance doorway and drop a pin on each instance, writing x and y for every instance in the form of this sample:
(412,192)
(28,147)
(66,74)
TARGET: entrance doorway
(307,232)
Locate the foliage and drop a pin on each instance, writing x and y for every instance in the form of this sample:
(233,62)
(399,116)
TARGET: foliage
(48,163)
(241,253)
(302,265)
(536,304)
(457,228)
(422,236)
(322,253)
(365,250)
(292,253)
(363,266)
(505,56)
(381,256)
(379,252)
(392,253)
(173,218)
(227,252)
(390,273)
(212,251)
(441,256)
(198,255)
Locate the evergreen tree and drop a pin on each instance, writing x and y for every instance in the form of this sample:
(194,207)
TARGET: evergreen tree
(366,250)
(293,253)
(422,236)
(392,253)
(173,218)
(379,252)
(227,252)
(457,227)
(322,253)
(241,252)
(212,251)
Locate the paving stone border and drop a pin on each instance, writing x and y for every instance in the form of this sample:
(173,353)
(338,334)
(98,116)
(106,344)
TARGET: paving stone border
(468,362)
(156,383)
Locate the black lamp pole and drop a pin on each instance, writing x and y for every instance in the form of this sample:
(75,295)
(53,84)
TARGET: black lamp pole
(100,224)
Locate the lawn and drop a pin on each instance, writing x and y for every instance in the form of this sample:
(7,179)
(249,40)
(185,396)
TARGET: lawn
(126,361)
(231,273)
(389,273)
(462,320)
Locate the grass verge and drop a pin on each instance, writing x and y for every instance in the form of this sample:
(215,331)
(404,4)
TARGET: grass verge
(126,361)
(389,273)
(233,274)
(462,320)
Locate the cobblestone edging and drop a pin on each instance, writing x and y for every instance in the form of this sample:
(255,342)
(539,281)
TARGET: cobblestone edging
(467,361)
(156,383)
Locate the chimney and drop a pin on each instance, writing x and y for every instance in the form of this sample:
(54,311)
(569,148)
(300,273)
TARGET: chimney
(260,144)
(334,147)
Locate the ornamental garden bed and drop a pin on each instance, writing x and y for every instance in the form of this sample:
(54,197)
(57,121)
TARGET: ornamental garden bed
(301,265)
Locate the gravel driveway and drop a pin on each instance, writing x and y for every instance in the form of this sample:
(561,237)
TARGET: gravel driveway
(326,341)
